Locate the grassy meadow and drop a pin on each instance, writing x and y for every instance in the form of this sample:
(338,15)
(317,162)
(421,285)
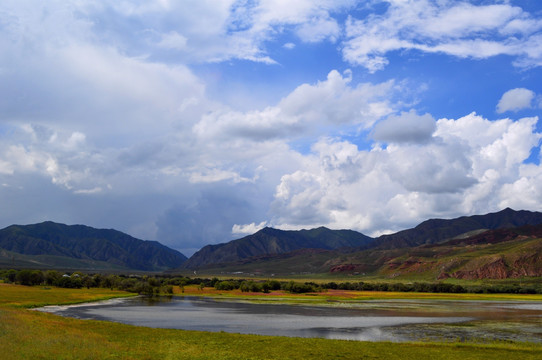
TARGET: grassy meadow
(346,295)
(26,334)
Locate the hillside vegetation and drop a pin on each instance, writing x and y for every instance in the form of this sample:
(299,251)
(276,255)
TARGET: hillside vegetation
(52,245)
(269,241)
(460,248)
(500,245)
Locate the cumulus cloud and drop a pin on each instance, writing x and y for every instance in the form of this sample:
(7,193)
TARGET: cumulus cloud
(455,28)
(104,120)
(515,99)
(501,145)
(247,229)
(455,173)
(406,127)
(59,155)
(308,108)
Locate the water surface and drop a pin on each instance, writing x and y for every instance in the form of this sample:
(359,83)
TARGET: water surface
(376,320)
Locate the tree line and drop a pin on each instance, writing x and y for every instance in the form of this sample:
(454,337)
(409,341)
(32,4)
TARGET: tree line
(437,287)
(163,284)
(427,287)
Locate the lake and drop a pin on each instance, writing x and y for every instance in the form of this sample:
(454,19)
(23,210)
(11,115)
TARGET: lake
(375,320)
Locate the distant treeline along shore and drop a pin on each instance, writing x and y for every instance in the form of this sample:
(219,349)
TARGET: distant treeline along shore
(163,284)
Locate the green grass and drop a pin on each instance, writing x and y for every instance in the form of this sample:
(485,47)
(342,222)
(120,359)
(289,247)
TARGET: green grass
(34,296)
(28,334)
(13,260)
(350,295)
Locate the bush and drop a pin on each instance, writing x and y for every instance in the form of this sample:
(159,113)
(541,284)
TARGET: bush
(51,277)
(143,288)
(298,288)
(226,285)
(273,285)
(29,277)
(69,282)
(11,275)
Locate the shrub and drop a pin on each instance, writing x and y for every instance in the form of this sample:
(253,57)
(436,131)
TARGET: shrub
(29,277)
(69,282)
(226,285)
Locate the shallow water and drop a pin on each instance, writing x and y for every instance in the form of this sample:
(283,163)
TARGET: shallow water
(378,320)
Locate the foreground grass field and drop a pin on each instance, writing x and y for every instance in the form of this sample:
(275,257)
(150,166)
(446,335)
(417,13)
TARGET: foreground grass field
(26,334)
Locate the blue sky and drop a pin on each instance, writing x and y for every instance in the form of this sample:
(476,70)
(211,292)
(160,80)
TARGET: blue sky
(196,122)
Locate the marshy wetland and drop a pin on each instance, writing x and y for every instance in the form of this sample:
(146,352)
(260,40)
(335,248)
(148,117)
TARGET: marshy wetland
(396,320)
(28,334)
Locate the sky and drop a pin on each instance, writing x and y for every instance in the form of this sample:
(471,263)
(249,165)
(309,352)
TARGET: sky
(196,122)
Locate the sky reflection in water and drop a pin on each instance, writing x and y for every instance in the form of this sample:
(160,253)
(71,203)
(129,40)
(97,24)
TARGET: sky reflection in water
(393,320)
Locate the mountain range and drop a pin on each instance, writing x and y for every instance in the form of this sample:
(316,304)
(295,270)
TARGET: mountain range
(436,248)
(436,230)
(53,245)
(496,245)
(274,241)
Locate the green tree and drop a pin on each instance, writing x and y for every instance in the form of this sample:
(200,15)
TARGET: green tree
(29,277)
(51,277)
(11,275)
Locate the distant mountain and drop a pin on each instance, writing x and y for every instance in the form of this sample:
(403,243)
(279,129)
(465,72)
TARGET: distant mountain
(435,249)
(437,230)
(53,245)
(494,254)
(269,241)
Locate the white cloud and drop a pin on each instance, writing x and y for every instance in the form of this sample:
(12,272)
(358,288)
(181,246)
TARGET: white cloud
(515,99)
(60,72)
(173,40)
(247,229)
(319,29)
(289,46)
(455,28)
(461,170)
(311,19)
(104,121)
(211,31)
(500,145)
(216,175)
(305,110)
(406,127)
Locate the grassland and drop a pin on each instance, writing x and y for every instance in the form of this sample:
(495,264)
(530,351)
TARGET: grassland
(346,295)
(28,334)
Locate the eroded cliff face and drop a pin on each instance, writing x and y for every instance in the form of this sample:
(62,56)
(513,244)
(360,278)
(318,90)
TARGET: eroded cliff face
(496,269)
(513,257)
(501,267)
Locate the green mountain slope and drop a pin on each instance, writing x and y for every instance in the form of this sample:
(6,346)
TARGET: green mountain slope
(494,254)
(458,248)
(436,230)
(270,241)
(57,245)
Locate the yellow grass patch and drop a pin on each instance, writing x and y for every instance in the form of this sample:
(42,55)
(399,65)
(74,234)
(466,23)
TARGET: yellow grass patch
(194,290)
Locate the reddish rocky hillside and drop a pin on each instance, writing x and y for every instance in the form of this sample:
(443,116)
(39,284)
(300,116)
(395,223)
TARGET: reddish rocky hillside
(495,254)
